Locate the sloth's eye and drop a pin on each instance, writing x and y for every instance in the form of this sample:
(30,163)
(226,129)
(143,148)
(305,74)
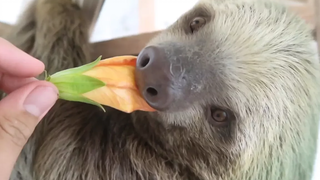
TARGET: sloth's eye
(219,116)
(197,23)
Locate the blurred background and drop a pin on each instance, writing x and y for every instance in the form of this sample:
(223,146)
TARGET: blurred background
(121,18)
(117,18)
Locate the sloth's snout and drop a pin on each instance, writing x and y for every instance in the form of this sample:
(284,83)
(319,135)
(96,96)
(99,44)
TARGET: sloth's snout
(153,77)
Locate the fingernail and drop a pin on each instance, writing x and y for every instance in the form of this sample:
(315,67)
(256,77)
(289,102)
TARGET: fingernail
(40,100)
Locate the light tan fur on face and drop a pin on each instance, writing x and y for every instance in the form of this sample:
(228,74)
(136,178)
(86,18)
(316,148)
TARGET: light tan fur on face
(253,57)
(272,79)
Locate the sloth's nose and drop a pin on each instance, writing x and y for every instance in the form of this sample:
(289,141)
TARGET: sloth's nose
(153,77)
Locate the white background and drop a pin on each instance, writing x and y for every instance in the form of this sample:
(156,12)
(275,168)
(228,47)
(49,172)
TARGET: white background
(112,23)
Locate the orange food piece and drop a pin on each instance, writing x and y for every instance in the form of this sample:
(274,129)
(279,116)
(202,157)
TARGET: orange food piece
(120,91)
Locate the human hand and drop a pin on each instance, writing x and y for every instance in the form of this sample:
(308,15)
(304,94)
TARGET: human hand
(28,100)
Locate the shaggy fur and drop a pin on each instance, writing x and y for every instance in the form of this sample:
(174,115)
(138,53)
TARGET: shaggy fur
(251,57)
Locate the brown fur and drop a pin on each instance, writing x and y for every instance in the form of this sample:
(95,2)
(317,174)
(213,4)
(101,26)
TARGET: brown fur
(251,57)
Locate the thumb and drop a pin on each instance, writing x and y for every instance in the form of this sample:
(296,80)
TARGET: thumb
(20,112)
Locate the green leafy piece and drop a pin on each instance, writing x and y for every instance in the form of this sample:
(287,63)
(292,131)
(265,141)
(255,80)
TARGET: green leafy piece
(77,83)
(76,70)
(71,83)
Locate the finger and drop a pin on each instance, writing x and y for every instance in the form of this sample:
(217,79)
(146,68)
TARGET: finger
(20,112)
(15,62)
(10,83)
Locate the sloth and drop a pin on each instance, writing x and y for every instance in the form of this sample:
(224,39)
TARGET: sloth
(235,85)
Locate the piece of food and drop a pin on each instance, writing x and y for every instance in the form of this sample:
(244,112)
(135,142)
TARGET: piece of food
(107,82)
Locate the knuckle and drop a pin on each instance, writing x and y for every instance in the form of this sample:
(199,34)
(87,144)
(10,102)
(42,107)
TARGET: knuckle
(15,129)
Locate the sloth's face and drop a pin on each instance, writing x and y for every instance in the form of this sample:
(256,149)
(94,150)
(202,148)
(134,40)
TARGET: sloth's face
(225,67)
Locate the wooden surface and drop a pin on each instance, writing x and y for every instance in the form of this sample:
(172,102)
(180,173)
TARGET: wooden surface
(130,45)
